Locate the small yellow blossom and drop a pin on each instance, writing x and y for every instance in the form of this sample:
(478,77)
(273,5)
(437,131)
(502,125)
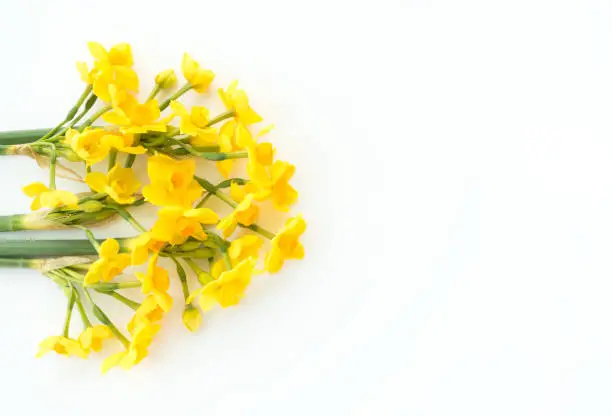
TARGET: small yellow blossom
(148,312)
(228,289)
(244,247)
(61,345)
(45,197)
(237,101)
(286,244)
(137,350)
(111,68)
(199,78)
(92,337)
(195,124)
(120,184)
(175,224)
(240,249)
(110,263)
(141,246)
(192,318)
(123,142)
(273,183)
(156,282)
(88,145)
(132,116)
(172,182)
(166,79)
(245,213)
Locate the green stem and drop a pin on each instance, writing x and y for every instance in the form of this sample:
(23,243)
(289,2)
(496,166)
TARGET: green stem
(182,277)
(69,308)
(90,237)
(129,160)
(126,301)
(70,114)
(156,89)
(175,96)
(52,164)
(210,187)
(18,263)
(129,218)
(32,248)
(81,308)
(260,230)
(104,319)
(96,115)
(221,117)
(112,158)
(12,222)
(203,277)
(21,136)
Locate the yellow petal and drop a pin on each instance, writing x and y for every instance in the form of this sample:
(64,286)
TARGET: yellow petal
(96,181)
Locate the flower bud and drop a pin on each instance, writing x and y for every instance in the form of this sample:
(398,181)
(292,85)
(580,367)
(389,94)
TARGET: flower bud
(91,206)
(192,318)
(166,79)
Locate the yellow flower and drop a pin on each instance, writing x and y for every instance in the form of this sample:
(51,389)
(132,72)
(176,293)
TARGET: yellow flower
(61,345)
(120,184)
(273,183)
(132,116)
(45,197)
(140,247)
(195,124)
(123,142)
(228,289)
(245,213)
(199,78)
(110,263)
(156,282)
(137,350)
(88,145)
(92,337)
(175,224)
(166,79)
(192,318)
(237,101)
(244,247)
(172,182)
(240,249)
(286,245)
(111,68)
(147,313)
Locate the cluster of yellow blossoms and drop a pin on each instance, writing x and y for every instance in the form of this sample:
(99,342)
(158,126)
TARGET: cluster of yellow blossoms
(185,230)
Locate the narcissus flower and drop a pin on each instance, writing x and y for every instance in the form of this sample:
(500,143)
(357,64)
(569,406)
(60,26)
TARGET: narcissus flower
(172,182)
(141,246)
(147,313)
(88,145)
(61,345)
(237,101)
(110,263)
(195,124)
(47,198)
(137,350)
(120,184)
(92,337)
(123,142)
(286,244)
(199,78)
(156,282)
(111,68)
(274,184)
(175,224)
(244,247)
(245,213)
(132,116)
(228,289)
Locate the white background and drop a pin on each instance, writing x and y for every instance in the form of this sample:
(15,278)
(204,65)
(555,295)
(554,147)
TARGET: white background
(455,166)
